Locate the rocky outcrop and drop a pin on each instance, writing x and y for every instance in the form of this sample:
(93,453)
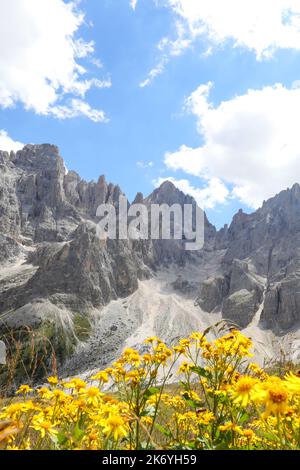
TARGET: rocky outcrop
(240,307)
(213,291)
(282,305)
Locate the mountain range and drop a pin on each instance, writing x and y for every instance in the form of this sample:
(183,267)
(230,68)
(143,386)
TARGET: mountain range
(93,297)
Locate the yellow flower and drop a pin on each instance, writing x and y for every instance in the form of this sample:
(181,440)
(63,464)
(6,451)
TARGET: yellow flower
(75,383)
(135,376)
(24,389)
(152,340)
(257,370)
(243,389)
(230,426)
(273,394)
(292,383)
(102,376)
(179,349)
(249,434)
(92,394)
(147,358)
(131,356)
(184,368)
(43,426)
(115,426)
(53,380)
(61,396)
(191,395)
(13,411)
(185,342)
(44,392)
(205,417)
(8,429)
(147,420)
(196,335)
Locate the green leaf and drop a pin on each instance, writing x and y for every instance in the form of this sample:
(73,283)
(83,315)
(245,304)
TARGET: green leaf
(151,391)
(163,430)
(201,372)
(245,417)
(78,433)
(61,438)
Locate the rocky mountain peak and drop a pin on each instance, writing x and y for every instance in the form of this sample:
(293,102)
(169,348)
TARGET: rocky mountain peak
(168,193)
(139,198)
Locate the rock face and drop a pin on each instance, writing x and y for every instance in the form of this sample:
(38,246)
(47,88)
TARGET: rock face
(240,307)
(48,237)
(213,291)
(262,253)
(53,265)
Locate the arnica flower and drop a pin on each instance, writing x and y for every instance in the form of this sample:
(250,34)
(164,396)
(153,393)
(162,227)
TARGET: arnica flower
(152,340)
(191,395)
(102,376)
(292,383)
(243,389)
(257,370)
(274,395)
(230,426)
(13,411)
(61,396)
(53,380)
(200,339)
(115,426)
(8,429)
(44,392)
(249,434)
(43,426)
(205,418)
(184,368)
(23,390)
(135,376)
(131,355)
(179,349)
(147,420)
(92,395)
(185,342)
(77,384)
(277,400)
(147,358)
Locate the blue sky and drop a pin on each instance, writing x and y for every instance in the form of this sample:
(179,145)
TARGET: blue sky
(222,104)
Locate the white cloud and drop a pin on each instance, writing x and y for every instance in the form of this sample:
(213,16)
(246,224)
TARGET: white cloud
(215,192)
(76,108)
(157,70)
(142,164)
(133,4)
(261,26)
(168,48)
(251,142)
(39,54)
(8,144)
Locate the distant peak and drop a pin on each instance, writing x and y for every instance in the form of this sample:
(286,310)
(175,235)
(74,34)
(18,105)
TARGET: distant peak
(296,188)
(41,149)
(102,180)
(167,186)
(139,198)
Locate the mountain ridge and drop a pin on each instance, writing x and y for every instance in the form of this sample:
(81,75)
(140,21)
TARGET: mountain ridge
(53,267)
